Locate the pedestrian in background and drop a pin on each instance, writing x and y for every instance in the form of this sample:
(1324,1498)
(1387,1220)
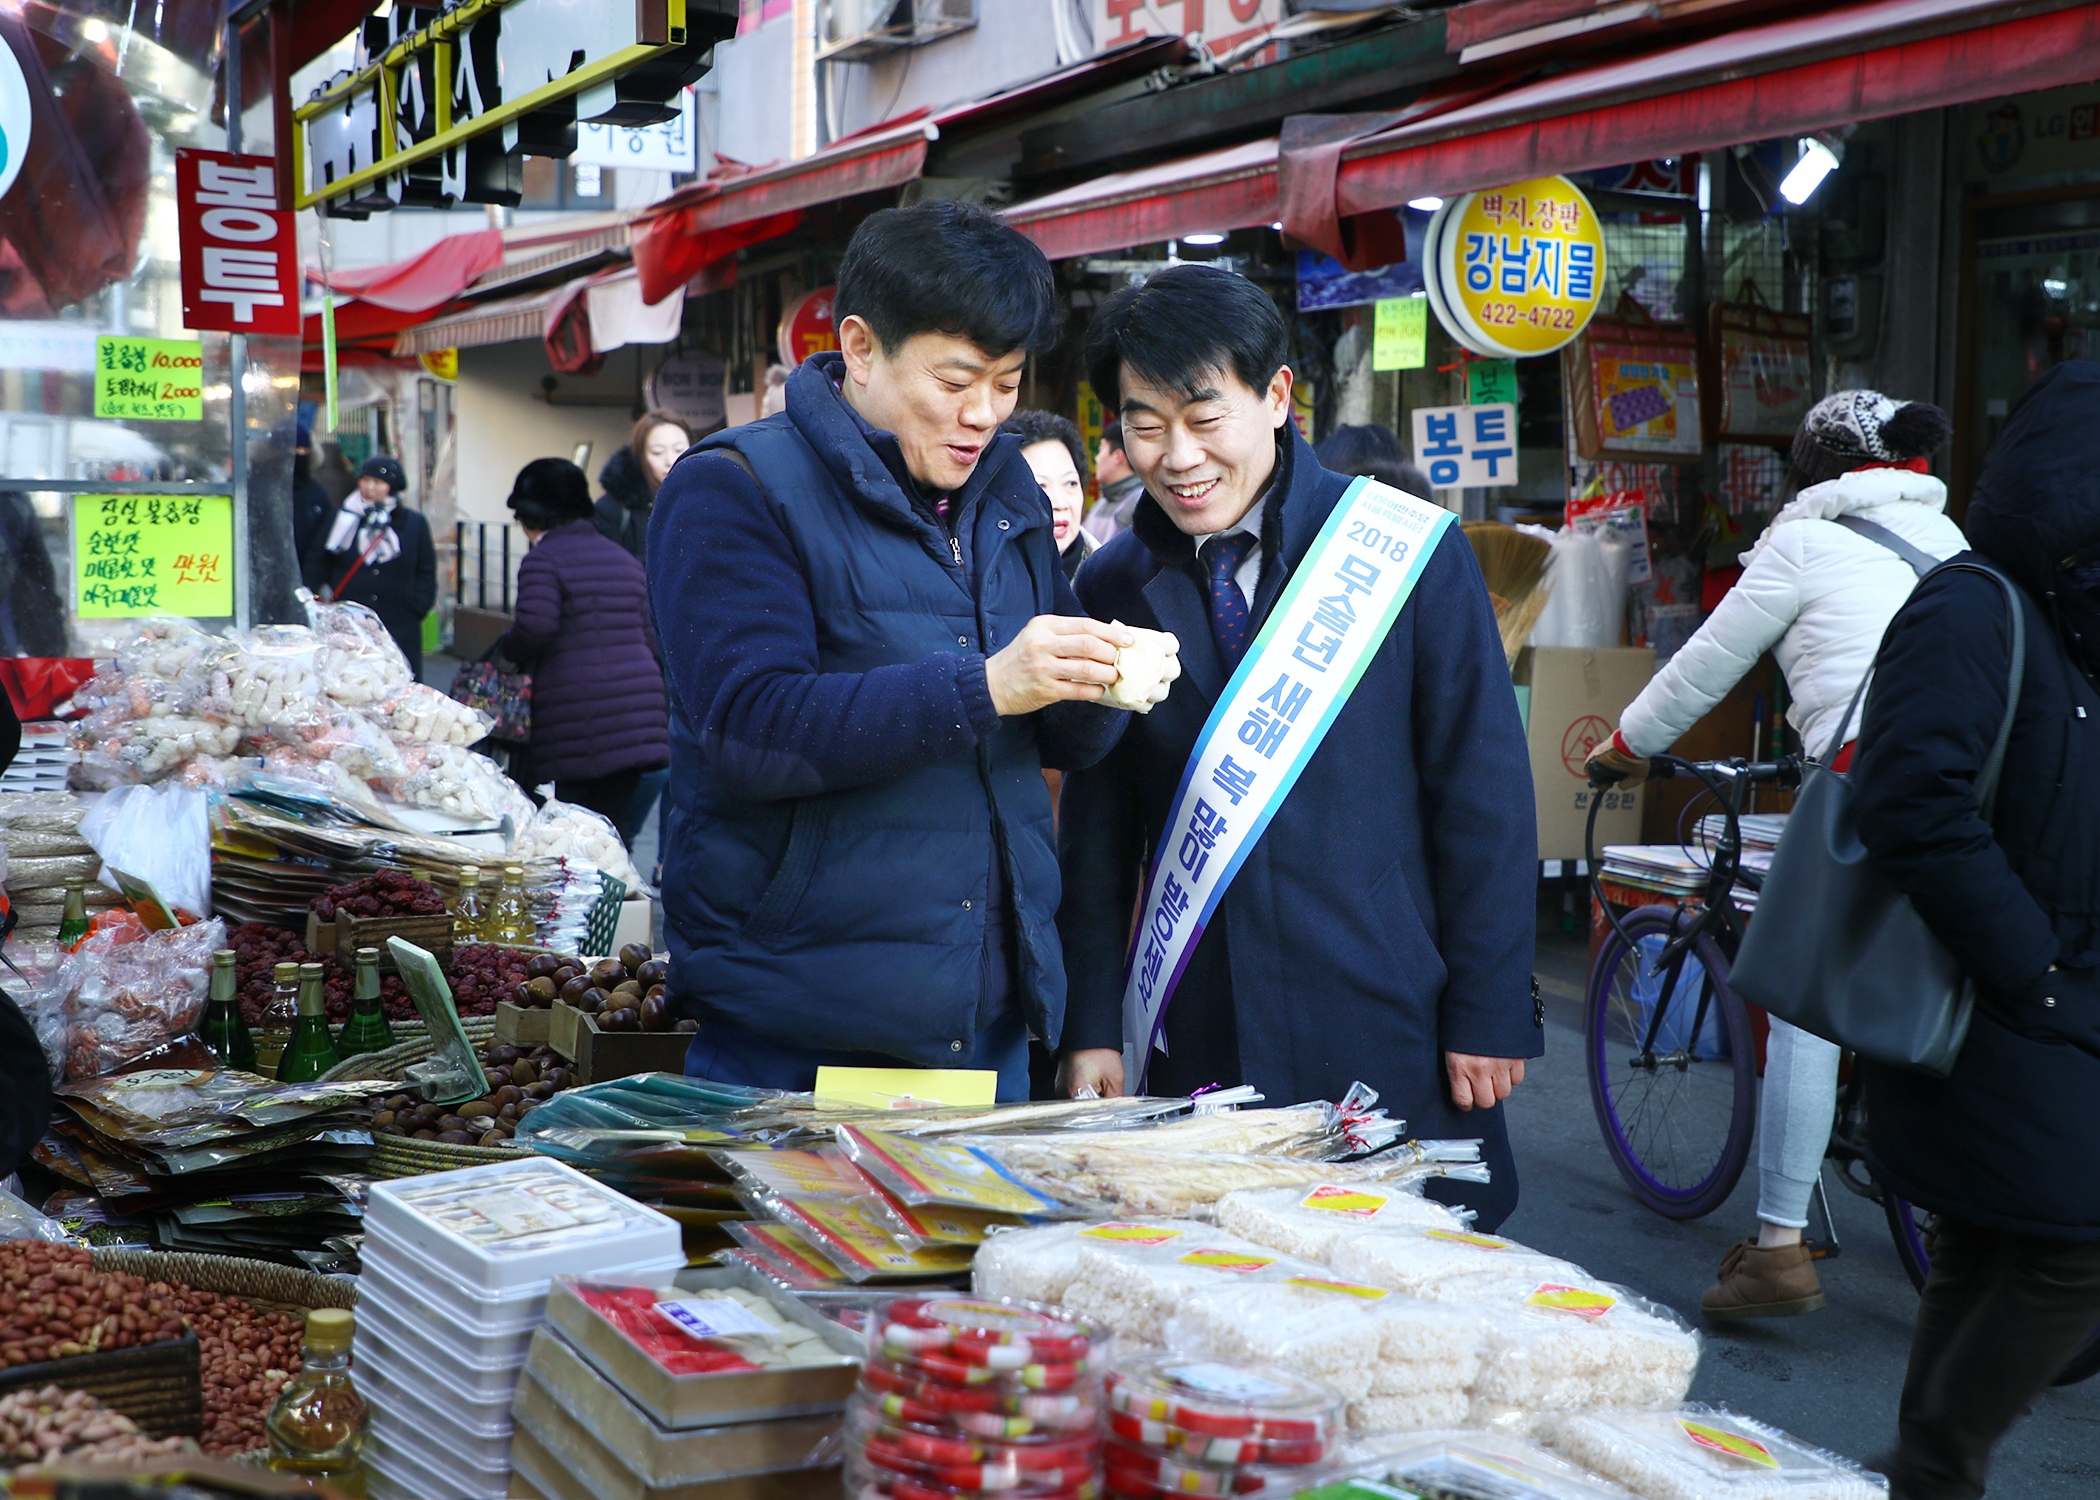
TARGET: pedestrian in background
(310,503)
(1050,444)
(1819,596)
(32,620)
(1119,486)
(632,476)
(377,552)
(582,629)
(2005,1149)
(1373,449)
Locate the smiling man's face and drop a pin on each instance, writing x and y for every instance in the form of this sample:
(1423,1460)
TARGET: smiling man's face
(1206,454)
(941,395)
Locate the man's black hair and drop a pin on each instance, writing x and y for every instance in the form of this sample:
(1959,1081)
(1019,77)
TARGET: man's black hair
(1183,325)
(1371,448)
(549,492)
(1032,427)
(1112,434)
(949,267)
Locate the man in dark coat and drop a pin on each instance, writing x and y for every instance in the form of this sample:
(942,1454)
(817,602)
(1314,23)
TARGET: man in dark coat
(377,552)
(872,655)
(2006,1149)
(1381,927)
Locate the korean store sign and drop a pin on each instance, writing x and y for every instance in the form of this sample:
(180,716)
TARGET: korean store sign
(1467,446)
(240,256)
(1517,271)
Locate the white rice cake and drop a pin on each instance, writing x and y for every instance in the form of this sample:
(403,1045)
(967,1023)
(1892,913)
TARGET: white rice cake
(1594,1350)
(1310,1221)
(1414,1260)
(1701,1453)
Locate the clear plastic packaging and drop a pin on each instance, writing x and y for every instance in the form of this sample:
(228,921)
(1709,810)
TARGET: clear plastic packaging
(448,779)
(713,1331)
(762,1176)
(853,1235)
(1309,1221)
(1699,1452)
(363,663)
(126,994)
(1580,1346)
(513,1225)
(1472,1467)
(563,830)
(420,712)
(1040,1265)
(1414,1260)
(1221,1414)
(962,1176)
(789,1255)
(274,679)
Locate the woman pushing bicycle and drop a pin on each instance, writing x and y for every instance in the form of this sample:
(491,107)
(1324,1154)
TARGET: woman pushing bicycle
(1818,590)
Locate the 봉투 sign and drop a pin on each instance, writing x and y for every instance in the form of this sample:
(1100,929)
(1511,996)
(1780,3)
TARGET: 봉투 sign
(1517,271)
(153,555)
(1467,446)
(240,256)
(151,380)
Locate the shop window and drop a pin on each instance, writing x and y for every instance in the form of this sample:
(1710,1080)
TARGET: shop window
(570,186)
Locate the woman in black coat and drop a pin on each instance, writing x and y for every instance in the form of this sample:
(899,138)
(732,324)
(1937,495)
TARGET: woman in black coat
(377,552)
(2006,1150)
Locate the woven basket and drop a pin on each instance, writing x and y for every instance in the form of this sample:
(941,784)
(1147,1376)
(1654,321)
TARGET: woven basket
(271,1287)
(400,1156)
(391,1063)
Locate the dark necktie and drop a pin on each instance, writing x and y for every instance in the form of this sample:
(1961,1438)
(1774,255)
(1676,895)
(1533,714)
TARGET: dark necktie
(1229,618)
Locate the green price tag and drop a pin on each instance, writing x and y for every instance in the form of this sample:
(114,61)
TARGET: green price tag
(153,555)
(151,380)
(1398,334)
(1490,381)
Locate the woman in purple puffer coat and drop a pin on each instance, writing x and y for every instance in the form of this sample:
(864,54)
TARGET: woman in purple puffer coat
(582,629)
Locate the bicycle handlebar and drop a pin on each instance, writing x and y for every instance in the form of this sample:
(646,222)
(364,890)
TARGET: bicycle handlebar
(1785,771)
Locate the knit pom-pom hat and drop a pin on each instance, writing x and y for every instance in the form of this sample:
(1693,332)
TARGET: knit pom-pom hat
(1852,429)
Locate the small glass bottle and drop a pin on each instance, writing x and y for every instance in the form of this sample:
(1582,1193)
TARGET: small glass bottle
(367,1029)
(511,921)
(224,1030)
(317,1426)
(470,917)
(278,1017)
(73,922)
(311,1050)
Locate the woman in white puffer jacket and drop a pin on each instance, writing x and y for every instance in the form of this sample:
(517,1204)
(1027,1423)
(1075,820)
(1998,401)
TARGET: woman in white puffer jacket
(1819,596)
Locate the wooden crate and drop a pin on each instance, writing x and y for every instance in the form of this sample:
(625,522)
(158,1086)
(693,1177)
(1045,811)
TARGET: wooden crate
(518,1026)
(320,935)
(159,1386)
(599,1055)
(352,933)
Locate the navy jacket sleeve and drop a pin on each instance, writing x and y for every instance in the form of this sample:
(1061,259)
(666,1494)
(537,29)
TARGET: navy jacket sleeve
(1480,828)
(1101,855)
(1073,735)
(739,637)
(1935,707)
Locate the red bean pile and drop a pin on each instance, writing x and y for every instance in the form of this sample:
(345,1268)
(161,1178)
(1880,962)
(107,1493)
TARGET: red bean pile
(390,893)
(54,1305)
(481,975)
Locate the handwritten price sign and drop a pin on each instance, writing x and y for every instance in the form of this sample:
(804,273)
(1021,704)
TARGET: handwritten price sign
(153,554)
(152,380)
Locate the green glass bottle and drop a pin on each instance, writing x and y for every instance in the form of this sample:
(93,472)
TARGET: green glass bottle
(311,1051)
(73,921)
(367,1029)
(224,1030)
(278,1018)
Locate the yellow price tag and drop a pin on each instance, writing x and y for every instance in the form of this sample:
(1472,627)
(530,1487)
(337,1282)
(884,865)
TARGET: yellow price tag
(907,1088)
(1572,1299)
(1460,1237)
(1136,1234)
(153,555)
(1734,1444)
(1351,1288)
(1225,1260)
(1344,1200)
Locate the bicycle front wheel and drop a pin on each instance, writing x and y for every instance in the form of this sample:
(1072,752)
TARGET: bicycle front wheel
(1673,1068)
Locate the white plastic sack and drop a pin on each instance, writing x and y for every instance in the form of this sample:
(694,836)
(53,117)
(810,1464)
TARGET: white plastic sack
(160,834)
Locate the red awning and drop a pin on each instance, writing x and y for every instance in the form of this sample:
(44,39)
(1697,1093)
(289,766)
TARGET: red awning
(1230,189)
(423,281)
(1860,62)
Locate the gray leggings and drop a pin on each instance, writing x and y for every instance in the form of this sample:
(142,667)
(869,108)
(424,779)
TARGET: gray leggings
(1795,1110)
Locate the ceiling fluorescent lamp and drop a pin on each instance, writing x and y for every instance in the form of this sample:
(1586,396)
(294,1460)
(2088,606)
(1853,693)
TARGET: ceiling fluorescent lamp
(1203,239)
(1426,205)
(1817,162)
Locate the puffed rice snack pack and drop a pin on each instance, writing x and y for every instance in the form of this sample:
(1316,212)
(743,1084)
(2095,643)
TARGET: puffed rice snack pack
(1701,1452)
(1311,1221)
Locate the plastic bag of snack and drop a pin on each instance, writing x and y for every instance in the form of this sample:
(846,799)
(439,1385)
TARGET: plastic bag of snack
(456,781)
(128,992)
(360,660)
(423,713)
(563,830)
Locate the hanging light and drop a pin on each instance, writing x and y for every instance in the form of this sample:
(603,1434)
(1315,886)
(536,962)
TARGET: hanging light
(1203,239)
(1426,205)
(1817,161)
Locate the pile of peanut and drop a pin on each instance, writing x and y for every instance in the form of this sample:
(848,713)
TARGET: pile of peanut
(54,1305)
(37,1427)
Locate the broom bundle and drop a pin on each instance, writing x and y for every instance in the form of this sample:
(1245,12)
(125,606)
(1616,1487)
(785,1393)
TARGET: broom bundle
(1514,566)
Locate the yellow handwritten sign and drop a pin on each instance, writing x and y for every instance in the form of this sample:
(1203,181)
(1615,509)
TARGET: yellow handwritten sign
(1399,332)
(152,380)
(906,1088)
(153,555)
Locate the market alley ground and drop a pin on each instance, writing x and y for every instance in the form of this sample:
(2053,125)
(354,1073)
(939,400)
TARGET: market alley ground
(1832,1377)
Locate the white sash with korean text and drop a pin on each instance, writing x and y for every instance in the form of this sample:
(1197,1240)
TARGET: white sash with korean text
(1340,602)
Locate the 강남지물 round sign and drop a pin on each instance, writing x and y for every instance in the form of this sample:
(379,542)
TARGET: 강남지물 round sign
(1516,271)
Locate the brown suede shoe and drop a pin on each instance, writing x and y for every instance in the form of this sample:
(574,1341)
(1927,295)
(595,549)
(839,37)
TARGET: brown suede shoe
(1779,1282)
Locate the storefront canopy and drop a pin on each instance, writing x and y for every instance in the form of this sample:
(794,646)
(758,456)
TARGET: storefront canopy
(1856,62)
(1219,190)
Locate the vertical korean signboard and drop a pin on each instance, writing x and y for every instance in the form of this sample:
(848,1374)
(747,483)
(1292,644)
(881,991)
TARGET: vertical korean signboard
(240,255)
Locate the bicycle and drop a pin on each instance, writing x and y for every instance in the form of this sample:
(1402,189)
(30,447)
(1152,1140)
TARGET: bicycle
(1680,1111)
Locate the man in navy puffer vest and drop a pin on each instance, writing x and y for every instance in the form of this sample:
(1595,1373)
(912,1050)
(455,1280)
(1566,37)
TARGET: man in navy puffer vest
(873,654)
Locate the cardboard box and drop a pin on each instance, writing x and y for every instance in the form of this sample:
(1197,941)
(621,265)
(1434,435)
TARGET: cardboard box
(516,1026)
(1575,701)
